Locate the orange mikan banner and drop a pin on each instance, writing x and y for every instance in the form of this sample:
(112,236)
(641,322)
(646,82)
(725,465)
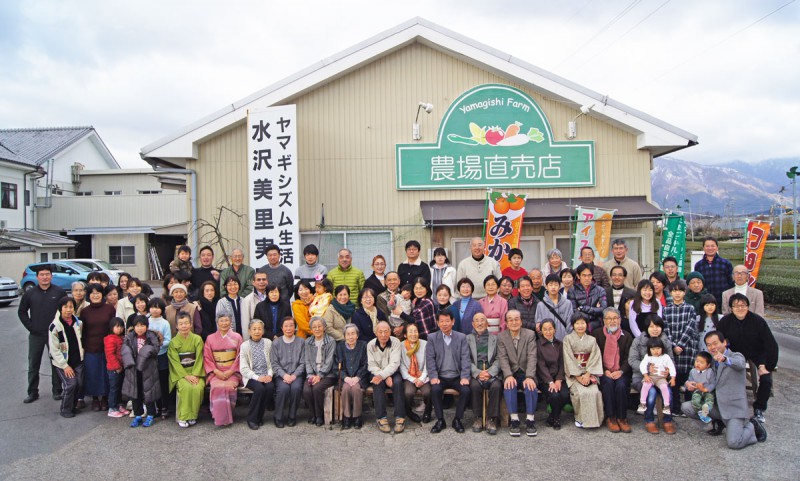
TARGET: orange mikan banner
(503,225)
(757,233)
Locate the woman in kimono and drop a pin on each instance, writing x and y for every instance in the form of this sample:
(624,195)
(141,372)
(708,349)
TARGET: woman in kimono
(221,362)
(186,373)
(583,367)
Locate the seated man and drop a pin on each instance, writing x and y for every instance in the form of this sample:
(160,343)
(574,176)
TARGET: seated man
(447,360)
(485,369)
(517,354)
(615,383)
(730,409)
(383,363)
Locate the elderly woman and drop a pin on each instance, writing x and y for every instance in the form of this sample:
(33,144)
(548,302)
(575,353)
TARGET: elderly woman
(465,307)
(186,373)
(288,365)
(351,357)
(180,303)
(484,375)
(367,316)
(78,293)
(555,263)
(95,317)
(221,362)
(415,373)
(320,373)
(303,296)
(377,281)
(230,304)
(66,353)
(550,372)
(493,305)
(339,313)
(654,330)
(583,366)
(257,372)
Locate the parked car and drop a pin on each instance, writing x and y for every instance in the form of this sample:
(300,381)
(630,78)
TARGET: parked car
(99,265)
(9,291)
(64,274)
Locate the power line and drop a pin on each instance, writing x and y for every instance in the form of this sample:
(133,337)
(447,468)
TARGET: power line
(602,29)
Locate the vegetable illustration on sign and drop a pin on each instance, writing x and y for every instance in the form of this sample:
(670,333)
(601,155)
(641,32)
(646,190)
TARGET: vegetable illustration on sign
(497,136)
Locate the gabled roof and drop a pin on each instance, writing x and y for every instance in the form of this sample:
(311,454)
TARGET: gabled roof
(34,146)
(653,134)
(8,155)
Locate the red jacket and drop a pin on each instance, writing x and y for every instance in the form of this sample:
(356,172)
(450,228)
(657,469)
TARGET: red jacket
(113,348)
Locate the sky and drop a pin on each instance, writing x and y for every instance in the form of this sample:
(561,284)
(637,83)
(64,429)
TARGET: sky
(724,70)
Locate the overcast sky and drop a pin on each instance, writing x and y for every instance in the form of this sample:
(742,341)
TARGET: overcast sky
(138,71)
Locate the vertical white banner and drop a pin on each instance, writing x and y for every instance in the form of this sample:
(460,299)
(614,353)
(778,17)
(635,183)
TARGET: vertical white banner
(273,184)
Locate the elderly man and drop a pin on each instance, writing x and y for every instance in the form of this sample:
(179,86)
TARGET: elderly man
(717,271)
(413,267)
(478,267)
(278,273)
(615,383)
(37,308)
(517,354)
(620,250)
(383,363)
(730,408)
(345,274)
(741,278)
(250,302)
(618,294)
(600,275)
(749,334)
(448,363)
(537,283)
(485,370)
(242,271)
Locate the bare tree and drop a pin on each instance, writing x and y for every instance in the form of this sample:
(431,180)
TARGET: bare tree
(210,233)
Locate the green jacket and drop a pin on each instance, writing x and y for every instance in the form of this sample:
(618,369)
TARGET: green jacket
(246,275)
(353,278)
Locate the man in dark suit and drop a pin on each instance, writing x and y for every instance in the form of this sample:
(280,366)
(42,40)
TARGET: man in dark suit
(730,409)
(618,294)
(516,349)
(448,363)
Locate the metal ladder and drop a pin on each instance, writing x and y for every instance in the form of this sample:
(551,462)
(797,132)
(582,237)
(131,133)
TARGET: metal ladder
(155,266)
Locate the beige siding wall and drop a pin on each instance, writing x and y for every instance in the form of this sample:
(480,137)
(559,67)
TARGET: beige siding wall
(14,263)
(347,131)
(128,183)
(140,269)
(73,212)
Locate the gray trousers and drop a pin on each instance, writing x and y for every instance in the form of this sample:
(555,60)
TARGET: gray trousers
(70,387)
(287,392)
(739,431)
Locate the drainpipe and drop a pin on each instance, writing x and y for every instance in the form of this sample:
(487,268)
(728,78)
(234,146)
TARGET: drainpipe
(40,172)
(192,198)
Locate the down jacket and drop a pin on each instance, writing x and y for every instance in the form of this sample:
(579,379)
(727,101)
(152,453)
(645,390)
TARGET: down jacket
(144,360)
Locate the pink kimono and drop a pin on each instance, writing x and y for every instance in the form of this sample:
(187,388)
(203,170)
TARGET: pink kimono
(495,308)
(222,353)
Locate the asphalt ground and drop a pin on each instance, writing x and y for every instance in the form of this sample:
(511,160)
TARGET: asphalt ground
(36,443)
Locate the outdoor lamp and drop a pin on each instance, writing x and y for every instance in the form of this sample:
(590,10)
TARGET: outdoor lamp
(572,129)
(428,108)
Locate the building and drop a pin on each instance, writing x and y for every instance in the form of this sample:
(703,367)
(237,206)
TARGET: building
(354,115)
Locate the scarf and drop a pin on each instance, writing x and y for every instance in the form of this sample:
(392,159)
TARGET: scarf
(611,350)
(373,315)
(179,305)
(527,302)
(345,310)
(411,352)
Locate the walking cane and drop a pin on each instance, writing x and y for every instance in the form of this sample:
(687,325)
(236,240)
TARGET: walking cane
(339,409)
(485,399)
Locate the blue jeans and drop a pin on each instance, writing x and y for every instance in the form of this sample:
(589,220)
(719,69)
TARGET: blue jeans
(114,386)
(510,395)
(649,415)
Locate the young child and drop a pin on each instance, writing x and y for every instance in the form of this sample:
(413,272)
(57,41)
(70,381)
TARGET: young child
(183,261)
(322,297)
(139,358)
(515,271)
(161,327)
(113,348)
(404,301)
(705,381)
(140,303)
(661,365)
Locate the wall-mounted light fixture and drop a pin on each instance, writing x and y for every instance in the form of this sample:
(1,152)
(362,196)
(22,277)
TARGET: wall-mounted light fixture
(572,128)
(428,108)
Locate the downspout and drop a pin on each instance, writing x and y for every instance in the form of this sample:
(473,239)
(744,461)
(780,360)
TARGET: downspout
(192,197)
(32,196)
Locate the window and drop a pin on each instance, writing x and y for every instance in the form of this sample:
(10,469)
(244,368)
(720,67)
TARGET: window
(9,194)
(43,257)
(27,198)
(365,246)
(113,192)
(84,194)
(59,255)
(149,192)
(125,255)
(531,246)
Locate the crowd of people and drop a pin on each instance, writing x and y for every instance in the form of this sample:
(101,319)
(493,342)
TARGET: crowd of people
(579,339)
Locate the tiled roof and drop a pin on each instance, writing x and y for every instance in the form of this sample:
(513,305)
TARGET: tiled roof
(9,155)
(37,238)
(34,146)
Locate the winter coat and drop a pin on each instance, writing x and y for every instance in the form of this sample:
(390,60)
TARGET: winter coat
(144,360)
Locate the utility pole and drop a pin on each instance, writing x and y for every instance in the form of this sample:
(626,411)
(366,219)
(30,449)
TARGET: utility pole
(691,222)
(780,214)
(792,175)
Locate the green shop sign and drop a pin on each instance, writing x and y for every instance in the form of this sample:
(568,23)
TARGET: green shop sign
(495,136)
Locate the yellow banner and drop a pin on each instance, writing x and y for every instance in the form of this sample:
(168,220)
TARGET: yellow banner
(503,225)
(757,233)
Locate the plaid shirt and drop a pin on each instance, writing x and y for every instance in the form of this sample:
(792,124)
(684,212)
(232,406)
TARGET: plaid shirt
(681,328)
(718,275)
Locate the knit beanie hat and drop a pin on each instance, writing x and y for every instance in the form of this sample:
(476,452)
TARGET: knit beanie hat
(695,275)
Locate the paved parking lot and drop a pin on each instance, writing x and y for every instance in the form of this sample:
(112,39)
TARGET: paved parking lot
(35,443)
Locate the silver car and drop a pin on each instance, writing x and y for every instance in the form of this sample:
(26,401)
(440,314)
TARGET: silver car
(99,265)
(9,291)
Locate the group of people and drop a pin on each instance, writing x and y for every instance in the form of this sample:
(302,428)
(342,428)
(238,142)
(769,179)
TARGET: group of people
(578,337)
